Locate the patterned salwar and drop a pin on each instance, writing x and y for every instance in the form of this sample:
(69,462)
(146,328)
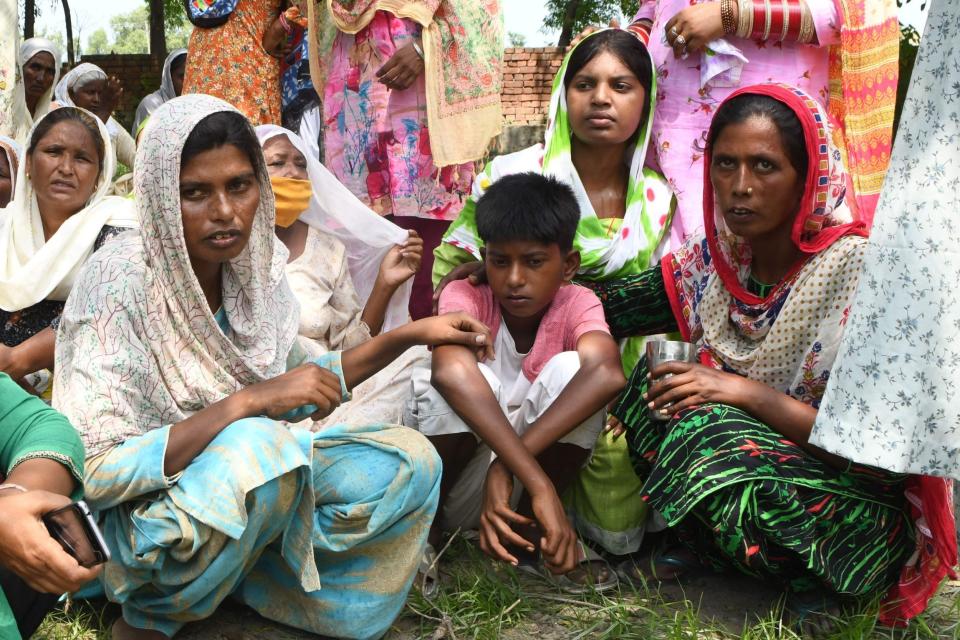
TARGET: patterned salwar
(318,531)
(741,495)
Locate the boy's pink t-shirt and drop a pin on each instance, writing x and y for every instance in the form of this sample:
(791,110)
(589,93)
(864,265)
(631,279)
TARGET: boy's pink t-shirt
(574,311)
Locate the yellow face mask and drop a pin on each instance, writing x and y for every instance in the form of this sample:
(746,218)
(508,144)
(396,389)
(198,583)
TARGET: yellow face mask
(292,196)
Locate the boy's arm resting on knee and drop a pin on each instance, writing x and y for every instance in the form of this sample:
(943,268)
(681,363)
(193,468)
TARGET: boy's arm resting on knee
(598,381)
(457,378)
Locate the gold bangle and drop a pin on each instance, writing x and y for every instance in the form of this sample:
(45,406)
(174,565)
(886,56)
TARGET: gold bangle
(806,24)
(745,13)
(726,17)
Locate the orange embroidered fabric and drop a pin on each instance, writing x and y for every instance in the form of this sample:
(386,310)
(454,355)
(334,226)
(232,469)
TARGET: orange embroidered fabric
(864,70)
(229,62)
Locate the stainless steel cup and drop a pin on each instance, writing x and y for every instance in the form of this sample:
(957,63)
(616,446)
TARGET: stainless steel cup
(660,351)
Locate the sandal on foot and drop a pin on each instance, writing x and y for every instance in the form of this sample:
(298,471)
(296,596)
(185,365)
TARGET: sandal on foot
(428,574)
(591,575)
(663,566)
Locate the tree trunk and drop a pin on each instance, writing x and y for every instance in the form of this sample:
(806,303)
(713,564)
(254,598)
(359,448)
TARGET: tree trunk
(29,18)
(69,23)
(158,40)
(569,18)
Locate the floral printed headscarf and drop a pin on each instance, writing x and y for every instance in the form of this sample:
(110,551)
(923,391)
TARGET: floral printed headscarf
(138,346)
(789,339)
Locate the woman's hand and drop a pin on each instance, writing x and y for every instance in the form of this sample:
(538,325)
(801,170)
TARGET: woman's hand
(308,384)
(402,69)
(497,518)
(112,95)
(402,262)
(614,426)
(690,385)
(275,40)
(454,328)
(692,28)
(27,549)
(472,271)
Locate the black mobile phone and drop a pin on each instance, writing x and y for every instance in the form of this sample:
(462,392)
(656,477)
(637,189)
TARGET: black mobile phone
(77,532)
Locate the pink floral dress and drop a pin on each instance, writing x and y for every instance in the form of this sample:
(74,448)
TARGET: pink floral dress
(685,108)
(376,139)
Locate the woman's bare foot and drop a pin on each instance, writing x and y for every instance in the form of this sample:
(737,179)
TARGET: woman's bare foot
(123,631)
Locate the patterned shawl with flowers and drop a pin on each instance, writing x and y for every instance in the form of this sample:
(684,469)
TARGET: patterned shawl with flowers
(139,347)
(463,56)
(789,339)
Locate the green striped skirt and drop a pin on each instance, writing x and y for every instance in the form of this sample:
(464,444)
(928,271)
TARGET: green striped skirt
(743,496)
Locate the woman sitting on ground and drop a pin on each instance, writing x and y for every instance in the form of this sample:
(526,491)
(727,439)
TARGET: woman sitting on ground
(59,215)
(88,87)
(178,354)
(342,253)
(596,141)
(763,296)
(41,464)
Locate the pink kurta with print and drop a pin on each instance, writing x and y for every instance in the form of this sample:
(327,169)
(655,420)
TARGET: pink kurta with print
(684,108)
(376,140)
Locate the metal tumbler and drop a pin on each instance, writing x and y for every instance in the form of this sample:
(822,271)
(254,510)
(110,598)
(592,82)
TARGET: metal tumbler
(660,351)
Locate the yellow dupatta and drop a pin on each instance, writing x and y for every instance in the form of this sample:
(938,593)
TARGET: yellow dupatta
(463,58)
(864,69)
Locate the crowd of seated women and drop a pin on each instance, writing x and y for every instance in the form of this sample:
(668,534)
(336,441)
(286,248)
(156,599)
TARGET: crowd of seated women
(227,352)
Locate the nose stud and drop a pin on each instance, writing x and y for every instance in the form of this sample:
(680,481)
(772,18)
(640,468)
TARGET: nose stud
(749,191)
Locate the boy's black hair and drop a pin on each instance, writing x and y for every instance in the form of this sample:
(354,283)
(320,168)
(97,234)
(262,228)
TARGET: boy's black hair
(528,206)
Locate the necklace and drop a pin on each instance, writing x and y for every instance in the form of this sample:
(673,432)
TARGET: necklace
(758,288)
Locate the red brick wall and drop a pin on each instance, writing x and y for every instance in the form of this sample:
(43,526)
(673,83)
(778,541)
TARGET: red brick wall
(527,79)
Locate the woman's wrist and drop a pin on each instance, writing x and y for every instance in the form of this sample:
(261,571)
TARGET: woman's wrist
(14,366)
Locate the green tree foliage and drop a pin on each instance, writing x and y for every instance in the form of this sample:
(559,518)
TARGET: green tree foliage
(130,31)
(516,39)
(98,43)
(571,16)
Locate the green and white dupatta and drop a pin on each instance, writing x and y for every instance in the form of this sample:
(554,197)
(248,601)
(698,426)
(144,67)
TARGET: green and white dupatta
(604,254)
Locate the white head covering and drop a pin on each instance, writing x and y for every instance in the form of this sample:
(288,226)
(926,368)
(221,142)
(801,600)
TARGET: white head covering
(367,236)
(166,92)
(33,268)
(14,152)
(77,77)
(22,118)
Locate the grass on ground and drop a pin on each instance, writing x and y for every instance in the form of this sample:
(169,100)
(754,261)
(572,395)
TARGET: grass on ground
(481,600)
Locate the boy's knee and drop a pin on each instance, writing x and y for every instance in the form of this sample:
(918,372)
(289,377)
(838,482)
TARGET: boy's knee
(560,370)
